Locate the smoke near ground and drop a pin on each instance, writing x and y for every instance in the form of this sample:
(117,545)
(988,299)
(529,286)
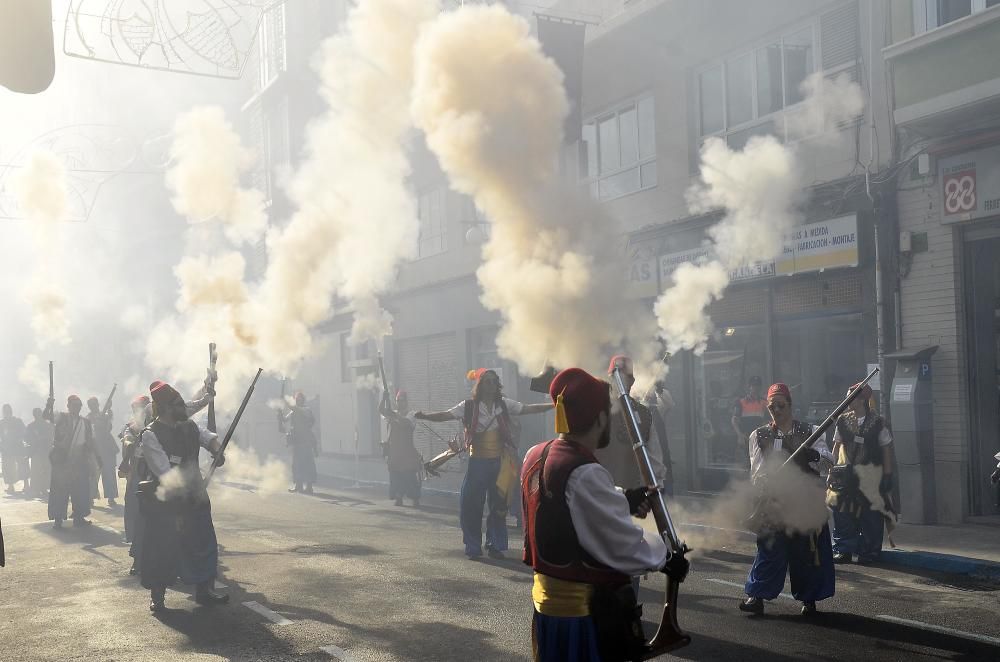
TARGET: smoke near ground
(553,264)
(758,188)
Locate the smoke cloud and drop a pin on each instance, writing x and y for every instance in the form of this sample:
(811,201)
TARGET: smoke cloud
(552,266)
(267,477)
(759,189)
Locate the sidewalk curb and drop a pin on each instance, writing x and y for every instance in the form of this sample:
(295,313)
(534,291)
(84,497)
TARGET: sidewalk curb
(946,563)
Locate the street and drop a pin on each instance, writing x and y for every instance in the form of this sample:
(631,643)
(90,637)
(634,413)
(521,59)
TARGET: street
(344,574)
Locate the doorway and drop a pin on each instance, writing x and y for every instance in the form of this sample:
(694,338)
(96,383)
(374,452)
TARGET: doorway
(982,280)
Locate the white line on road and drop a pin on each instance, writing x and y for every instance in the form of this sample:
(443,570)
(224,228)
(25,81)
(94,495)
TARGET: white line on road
(219,585)
(738,585)
(275,618)
(338,653)
(940,629)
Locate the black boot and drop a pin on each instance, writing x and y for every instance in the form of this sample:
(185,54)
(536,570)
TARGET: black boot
(808,608)
(752,606)
(841,557)
(156,600)
(204,595)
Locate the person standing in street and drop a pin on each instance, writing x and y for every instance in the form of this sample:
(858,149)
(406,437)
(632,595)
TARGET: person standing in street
(72,453)
(401,456)
(862,445)
(807,557)
(579,536)
(13,454)
(300,422)
(131,469)
(107,448)
(749,413)
(486,421)
(178,539)
(38,437)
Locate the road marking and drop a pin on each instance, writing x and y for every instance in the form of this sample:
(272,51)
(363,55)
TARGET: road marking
(738,585)
(940,629)
(219,585)
(275,618)
(338,653)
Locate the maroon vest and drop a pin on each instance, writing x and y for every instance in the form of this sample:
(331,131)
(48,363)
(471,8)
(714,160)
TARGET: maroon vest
(550,543)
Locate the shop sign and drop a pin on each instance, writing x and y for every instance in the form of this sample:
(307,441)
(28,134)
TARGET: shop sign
(641,279)
(812,247)
(970,185)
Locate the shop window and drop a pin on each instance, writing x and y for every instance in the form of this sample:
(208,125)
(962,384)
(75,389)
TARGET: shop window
(620,151)
(721,374)
(819,358)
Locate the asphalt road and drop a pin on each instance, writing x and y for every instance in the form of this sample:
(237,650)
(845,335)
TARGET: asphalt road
(344,574)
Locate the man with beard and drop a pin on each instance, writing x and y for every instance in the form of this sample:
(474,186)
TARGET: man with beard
(39,436)
(72,452)
(486,420)
(131,469)
(579,536)
(807,557)
(401,455)
(13,454)
(618,457)
(179,537)
(300,422)
(107,449)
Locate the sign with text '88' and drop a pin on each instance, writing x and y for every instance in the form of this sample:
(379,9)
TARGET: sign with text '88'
(970,185)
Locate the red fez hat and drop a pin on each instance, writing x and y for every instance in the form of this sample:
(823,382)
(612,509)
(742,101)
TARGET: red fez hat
(73,398)
(162,391)
(620,361)
(401,394)
(779,389)
(865,393)
(140,400)
(579,399)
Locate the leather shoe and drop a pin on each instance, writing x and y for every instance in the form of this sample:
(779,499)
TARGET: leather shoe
(752,606)
(209,598)
(156,601)
(840,557)
(808,609)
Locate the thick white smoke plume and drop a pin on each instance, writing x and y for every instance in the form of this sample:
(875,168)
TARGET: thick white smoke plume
(267,477)
(42,196)
(492,106)
(207,160)
(758,188)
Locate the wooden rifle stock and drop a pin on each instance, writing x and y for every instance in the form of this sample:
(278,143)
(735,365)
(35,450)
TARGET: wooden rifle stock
(232,427)
(669,635)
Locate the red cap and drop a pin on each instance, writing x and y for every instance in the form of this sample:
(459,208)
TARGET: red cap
(779,389)
(162,391)
(579,399)
(620,361)
(73,398)
(866,391)
(140,400)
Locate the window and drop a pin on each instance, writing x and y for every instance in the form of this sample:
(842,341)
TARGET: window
(620,151)
(736,97)
(432,216)
(271,46)
(930,14)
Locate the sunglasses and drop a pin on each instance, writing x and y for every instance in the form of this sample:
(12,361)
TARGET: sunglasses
(777,406)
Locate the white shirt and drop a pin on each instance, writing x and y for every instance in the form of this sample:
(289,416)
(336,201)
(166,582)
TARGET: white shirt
(605,528)
(884,437)
(489,415)
(757,457)
(157,459)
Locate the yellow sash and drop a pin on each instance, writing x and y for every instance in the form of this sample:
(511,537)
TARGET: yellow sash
(486,445)
(561,598)
(507,475)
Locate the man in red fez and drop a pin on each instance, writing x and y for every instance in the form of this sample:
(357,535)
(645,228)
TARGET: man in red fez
(300,421)
(401,456)
(579,535)
(492,451)
(178,537)
(806,557)
(73,450)
(862,445)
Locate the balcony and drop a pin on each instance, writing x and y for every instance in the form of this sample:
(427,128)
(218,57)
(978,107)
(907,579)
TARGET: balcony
(947,76)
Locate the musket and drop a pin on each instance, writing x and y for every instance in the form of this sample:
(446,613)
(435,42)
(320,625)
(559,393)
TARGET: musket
(669,635)
(281,410)
(436,462)
(50,403)
(213,358)
(385,382)
(107,403)
(232,428)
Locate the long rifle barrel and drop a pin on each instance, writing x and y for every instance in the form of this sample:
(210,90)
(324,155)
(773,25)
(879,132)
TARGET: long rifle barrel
(232,427)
